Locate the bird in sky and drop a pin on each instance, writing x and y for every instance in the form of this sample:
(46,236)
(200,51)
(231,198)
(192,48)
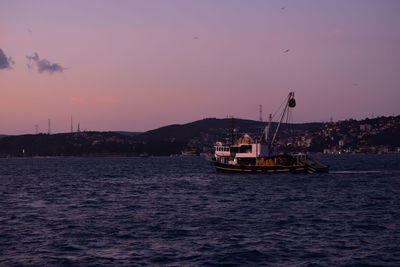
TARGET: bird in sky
(287,50)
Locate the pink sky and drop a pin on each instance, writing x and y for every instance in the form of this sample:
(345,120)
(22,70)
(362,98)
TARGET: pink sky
(139,65)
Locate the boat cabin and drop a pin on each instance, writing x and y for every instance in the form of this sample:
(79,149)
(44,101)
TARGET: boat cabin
(244,150)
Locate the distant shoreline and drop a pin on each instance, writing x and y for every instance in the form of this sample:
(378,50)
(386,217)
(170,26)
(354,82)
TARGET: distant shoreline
(176,156)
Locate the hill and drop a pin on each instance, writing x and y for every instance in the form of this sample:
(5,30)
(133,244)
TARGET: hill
(216,128)
(66,144)
(350,136)
(378,135)
(197,136)
(128,133)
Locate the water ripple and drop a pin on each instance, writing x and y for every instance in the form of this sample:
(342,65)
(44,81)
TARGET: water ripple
(180,212)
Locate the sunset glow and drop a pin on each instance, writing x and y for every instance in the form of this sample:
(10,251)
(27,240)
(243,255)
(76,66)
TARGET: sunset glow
(139,65)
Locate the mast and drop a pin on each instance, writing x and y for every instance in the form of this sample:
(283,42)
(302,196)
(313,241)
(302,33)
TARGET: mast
(290,103)
(268,128)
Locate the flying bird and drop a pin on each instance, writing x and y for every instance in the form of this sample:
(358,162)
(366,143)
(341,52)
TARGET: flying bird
(286,51)
(195,37)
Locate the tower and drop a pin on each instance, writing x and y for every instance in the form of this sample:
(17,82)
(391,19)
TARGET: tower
(72,125)
(261,114)
(49,126)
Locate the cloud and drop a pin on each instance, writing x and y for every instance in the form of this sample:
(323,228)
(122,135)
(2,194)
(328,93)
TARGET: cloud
(43,65)
(94,100)
(76,99)
(105,100)
(5,62)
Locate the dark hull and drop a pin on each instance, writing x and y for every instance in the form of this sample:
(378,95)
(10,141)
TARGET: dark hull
(303,168)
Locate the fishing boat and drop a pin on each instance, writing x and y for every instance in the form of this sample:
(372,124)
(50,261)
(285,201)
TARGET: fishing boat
(260,155)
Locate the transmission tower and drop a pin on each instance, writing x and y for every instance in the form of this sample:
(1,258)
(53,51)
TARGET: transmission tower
(49,126)
(261,114)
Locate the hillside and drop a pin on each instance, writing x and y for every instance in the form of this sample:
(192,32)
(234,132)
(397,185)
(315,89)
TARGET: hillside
(217,128)
(128,133)
(370,135)
(378,135)
(65,144)
(197,136)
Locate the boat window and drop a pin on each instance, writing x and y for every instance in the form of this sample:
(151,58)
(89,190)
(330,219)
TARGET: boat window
(245,149)
(234,149)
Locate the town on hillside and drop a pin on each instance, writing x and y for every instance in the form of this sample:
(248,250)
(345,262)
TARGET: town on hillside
(379,135)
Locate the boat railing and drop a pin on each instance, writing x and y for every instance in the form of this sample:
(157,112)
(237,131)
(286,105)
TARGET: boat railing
(300,158)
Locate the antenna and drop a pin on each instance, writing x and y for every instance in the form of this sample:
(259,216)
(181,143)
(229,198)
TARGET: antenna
(49,126)
(36,128)
(72,125)
(79,128)
(261,114)
(232,130)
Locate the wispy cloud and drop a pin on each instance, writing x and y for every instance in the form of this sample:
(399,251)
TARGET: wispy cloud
(105,100)
(76,99)
(94,100)
(43,65)
(5,62)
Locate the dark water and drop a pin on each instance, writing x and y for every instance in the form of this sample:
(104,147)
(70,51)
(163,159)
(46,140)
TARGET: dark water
(179,212)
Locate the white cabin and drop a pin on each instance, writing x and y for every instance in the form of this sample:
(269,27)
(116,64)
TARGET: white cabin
(243,148)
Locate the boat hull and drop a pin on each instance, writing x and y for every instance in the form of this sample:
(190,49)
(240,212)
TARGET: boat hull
(304,168)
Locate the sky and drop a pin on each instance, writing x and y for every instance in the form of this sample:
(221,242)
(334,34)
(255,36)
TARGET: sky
(140,65)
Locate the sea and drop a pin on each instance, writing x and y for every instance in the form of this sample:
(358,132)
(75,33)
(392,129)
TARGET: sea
(178,211)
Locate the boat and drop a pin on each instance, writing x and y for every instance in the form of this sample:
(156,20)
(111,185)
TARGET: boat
(261,155)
